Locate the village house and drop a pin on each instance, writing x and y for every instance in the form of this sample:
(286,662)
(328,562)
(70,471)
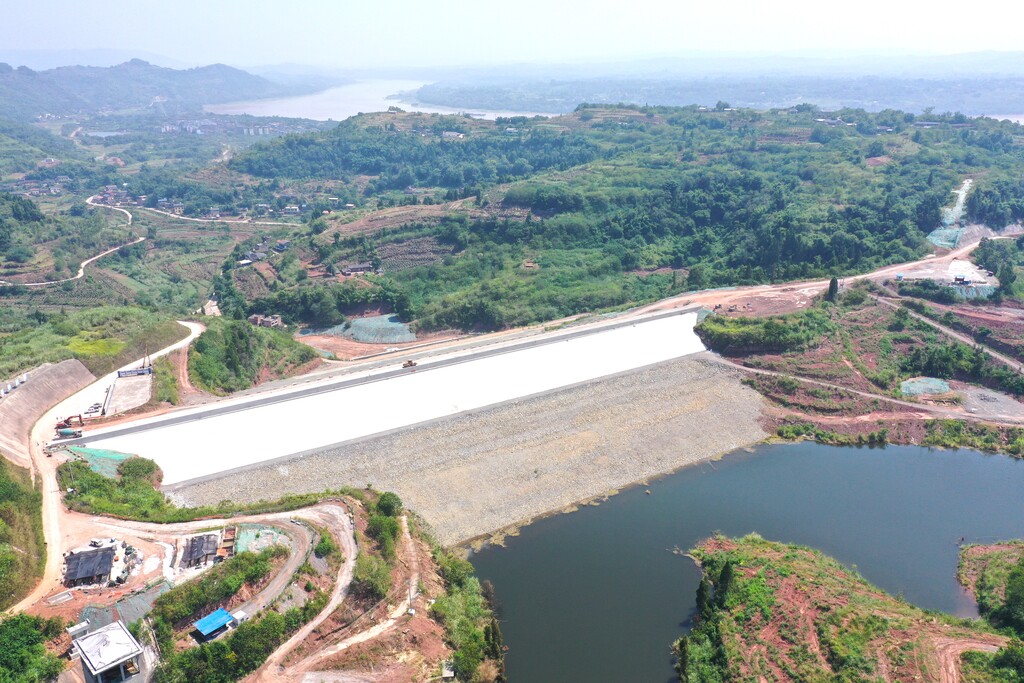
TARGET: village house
(266,320)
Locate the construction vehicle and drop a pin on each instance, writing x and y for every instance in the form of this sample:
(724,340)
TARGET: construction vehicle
(70,421)
(68,433)
(409,364)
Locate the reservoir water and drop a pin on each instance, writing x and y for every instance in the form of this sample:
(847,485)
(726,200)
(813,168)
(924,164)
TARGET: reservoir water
(348,100)
(597,595)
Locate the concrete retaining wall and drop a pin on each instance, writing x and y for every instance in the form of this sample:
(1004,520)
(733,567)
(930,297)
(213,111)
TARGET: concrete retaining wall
(47,385)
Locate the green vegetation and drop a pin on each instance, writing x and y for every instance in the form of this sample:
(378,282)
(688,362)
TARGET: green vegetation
(765,335)
(389,504)
(471,628)
(193,599)
(992,568)
(801,430)
(325,306)
(959,361)
(371,578)
(326,545)
(232,355)
(23,657)
(134,495)
(383,527)
(165,382)
(714,198)
(22,549)
(1005,258)
(402,159)
(1005,666)
(761,604)
(228,658)
(103,338)
(961,434)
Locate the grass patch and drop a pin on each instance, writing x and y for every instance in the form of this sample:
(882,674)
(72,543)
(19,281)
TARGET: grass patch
(22,549)
(133,495)
(165,382)
(764,335)
(102,338)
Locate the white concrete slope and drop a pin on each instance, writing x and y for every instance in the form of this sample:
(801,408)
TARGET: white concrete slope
(221,442)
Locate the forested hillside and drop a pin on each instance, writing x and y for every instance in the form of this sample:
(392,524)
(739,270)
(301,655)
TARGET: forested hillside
(612,205)
(23,146)
(26,94)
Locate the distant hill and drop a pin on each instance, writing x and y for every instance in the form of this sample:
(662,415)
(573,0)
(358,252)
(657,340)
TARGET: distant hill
(989,94)
(133,85)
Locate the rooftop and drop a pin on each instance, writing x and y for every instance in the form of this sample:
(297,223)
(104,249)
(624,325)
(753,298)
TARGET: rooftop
(107,647)
(89,563)
(213,622)
(199,547)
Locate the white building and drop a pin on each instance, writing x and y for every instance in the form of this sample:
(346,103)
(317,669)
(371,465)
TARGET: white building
(110,654)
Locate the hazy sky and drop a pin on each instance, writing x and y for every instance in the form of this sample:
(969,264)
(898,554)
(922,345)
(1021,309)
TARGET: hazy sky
(344,33)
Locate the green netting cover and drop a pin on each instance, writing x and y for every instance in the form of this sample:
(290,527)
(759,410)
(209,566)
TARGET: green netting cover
(101,460)
(257,538)
(919,386)
(947,238)
(377,329)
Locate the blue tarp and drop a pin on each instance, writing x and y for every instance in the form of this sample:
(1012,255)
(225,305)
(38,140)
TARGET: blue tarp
(213,622)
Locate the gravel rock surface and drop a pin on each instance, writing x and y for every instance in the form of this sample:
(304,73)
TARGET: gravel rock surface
(475,473)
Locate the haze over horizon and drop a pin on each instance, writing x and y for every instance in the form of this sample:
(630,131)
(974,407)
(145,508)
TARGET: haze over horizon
(402,33)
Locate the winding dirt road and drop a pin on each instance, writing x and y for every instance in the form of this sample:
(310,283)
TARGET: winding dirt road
(273,668)
(97,257)
(949,651)
(309,664)
(331,514)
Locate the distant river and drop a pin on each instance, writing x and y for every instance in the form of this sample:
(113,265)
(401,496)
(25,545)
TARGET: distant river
(347,100)
(596,596)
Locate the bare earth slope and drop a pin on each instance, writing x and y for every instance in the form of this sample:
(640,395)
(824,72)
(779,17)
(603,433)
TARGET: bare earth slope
(789,613)
(473,474)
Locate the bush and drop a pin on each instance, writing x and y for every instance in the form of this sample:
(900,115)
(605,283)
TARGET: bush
(232,354)
(389,504)
(186,601)
(372,577)
(23,655)
(325,547)
(764,335)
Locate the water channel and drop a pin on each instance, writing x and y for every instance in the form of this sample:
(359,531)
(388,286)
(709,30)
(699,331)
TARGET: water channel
(598,595)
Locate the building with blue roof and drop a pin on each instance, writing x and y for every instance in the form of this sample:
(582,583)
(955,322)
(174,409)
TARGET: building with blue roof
(214,624)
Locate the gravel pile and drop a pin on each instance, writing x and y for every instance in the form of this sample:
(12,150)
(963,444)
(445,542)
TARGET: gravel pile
(473,474)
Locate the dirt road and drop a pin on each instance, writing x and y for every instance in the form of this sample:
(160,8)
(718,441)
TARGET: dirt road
(791,296)
(309,664)
(919,409)
(959,336)
(246,221)
(81,268)
(45,470)
(272,669)
(949,650)
(333,515)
